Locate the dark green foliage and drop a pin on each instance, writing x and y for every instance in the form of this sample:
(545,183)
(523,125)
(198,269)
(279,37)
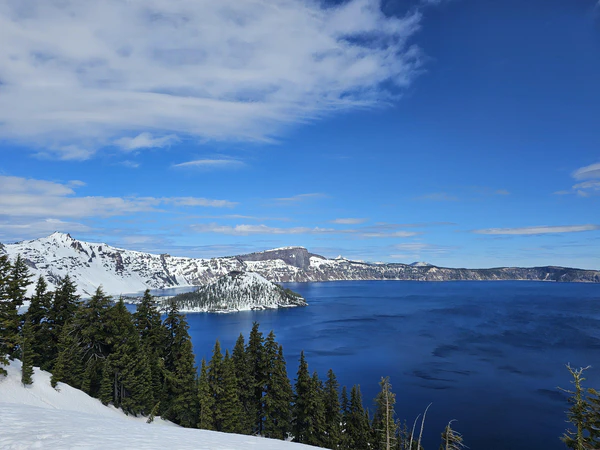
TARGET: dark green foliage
(19,280)
(309,409)
(345,411)
(357,422)
(579,415)
(206,401)
(451,439)
(333,416)
(27,353)
(257,365)
(7,313)
(153,340)
(230,406)
(278,392)
(384,421)
(180,394)
(38,313)
(126,368)
(63,309)
(246,383)
(68,366)
(215,380)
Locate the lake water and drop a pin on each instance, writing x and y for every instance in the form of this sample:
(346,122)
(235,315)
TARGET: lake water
(489,354)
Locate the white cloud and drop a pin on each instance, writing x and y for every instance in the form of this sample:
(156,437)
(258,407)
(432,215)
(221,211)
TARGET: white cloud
(245,229)
(527,231)
(78,75)
(31,229)
(211,164)
(145,140)
(587,172)
(438,197)
(349,221)
(300,198)
(23,197)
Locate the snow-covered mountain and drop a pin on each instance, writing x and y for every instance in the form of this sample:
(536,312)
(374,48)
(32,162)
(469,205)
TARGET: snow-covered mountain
(39,416)
(127,271)
(238,291)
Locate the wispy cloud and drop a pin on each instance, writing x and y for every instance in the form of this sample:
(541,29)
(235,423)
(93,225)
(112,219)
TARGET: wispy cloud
(528,231)
(24,229)
(77,76)
(438,197)
(145,140)
(300,198)
(249,229)
(591,185)
(211,164)
(349,221)
(419,250)
(24,197)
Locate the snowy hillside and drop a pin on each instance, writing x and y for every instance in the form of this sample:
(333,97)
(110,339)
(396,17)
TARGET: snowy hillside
(238,291)
(39,416)
(121,271)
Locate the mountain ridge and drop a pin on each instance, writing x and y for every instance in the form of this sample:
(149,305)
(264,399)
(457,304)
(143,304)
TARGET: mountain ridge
(122,271)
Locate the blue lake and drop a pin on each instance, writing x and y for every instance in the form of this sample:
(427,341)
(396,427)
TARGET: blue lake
(489,354)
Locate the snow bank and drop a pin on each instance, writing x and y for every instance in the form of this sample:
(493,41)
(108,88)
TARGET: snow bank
(39,416)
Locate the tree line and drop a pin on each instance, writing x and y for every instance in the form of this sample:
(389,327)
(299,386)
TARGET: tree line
(143,363)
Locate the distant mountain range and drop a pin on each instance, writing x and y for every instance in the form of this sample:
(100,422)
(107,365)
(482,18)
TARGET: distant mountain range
(121,271)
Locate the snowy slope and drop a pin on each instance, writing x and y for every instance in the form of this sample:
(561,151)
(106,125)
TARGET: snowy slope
(238,291)
(121,271)
(39,416)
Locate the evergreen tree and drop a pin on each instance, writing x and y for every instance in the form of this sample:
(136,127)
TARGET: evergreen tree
(278,392)
(68,365)
(578,414)
(180,388)
(7,313)
(302,422)
(153,340)
(206,401)
(215,381)
(357,423)
(15,279)
(345,443)
(27,353)
(256,361)
(230,403)
(333,416)
(63,309)
(38,313)
(451,439)
(384,422)
(246,382)
(20,279)
(316,405)
(126,374)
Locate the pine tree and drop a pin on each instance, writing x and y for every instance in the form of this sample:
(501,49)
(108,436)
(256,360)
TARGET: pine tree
(246,382)
(357,427)
(215,381)
(256,361)
(206,401)
(345,443)
(230,404)
(153,340)
(302,422)
(451,439)
(20,279)
(126,369)
(63,309)
(38,313)
(15,287)
(68,366)
(180,392)
(7,313)
(27,353)
(384,422)
(316,408)
(578,414)
(333,416)
(278,392)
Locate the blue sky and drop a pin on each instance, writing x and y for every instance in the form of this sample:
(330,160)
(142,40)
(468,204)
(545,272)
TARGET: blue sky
(460,132)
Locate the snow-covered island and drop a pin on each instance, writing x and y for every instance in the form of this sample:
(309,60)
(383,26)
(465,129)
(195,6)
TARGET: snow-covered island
(238,291)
